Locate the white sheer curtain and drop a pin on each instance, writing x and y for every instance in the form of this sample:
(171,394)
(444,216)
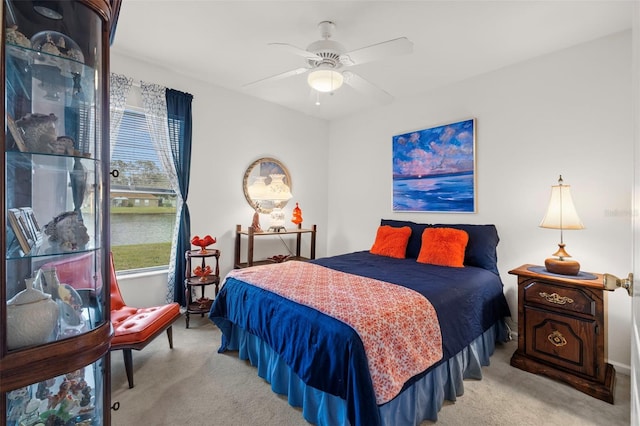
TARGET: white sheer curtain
(119,88)
(154,102)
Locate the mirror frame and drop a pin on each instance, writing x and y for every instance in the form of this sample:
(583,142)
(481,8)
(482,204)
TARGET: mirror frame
(251,171)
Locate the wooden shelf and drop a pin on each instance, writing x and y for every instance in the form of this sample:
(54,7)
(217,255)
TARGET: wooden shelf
(194,305)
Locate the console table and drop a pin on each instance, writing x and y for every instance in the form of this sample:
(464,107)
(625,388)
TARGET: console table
(250,234)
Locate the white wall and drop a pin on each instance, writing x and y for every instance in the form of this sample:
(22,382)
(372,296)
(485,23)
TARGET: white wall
(566,113)
(230,131)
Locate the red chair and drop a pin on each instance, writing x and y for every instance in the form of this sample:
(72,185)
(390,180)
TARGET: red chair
(135,328)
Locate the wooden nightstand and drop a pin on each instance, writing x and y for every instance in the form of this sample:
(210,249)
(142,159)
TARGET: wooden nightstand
(562,330)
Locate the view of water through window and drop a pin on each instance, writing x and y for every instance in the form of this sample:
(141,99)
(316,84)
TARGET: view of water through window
(129,229)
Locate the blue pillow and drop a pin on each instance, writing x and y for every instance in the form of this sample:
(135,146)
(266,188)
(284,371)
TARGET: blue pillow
(481,248)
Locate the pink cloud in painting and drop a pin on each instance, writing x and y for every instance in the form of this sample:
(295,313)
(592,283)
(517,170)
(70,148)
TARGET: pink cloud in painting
(445,149)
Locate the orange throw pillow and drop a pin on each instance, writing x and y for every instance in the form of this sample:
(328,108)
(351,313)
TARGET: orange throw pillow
(443,246)
(391,242)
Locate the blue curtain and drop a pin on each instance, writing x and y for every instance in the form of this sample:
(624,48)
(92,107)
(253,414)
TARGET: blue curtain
(179,116)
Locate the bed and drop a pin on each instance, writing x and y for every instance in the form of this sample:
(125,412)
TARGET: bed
(377,337)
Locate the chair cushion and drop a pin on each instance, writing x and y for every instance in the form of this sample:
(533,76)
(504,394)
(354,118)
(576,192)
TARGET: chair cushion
(136,325)
(77,271)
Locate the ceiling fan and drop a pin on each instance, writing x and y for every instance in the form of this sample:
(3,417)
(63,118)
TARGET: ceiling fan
(328,62)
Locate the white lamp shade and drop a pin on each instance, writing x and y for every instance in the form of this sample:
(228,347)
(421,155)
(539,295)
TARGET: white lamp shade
(258,189)
(325,80)
(277,190)
(561,213)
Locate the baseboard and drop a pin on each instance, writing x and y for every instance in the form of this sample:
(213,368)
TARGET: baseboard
(621,368)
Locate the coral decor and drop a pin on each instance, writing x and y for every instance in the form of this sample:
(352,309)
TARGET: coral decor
(203,243)
(202,272)
(297,215)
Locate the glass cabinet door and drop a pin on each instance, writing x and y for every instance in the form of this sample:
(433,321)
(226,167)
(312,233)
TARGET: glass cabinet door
(53,177)
(55,329)
(67,399)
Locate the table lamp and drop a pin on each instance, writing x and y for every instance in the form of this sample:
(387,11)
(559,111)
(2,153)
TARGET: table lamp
(278,193)
(561,214)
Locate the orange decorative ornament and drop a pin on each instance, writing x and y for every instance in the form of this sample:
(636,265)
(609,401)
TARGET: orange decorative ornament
(202,272)
(203,243)
(297,215)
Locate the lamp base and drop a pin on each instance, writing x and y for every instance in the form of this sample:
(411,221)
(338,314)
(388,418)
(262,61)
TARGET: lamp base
(277,229)
(562,266)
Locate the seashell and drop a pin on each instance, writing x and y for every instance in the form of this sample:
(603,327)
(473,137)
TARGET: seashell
(67,230)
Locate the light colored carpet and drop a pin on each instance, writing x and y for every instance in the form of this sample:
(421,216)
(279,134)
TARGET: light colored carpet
(194,385)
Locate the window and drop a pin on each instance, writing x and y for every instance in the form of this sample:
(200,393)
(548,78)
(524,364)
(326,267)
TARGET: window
(143,204)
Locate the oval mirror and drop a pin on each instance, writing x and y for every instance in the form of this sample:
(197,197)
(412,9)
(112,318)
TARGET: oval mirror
(266,185)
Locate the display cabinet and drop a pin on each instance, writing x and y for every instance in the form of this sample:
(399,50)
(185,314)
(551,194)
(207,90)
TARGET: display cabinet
(54,309)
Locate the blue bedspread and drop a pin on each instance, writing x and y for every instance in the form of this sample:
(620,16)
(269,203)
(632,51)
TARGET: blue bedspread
(327,354)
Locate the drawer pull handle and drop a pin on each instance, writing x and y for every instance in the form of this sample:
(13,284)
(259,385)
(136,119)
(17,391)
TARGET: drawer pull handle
(556,298)
(557,339)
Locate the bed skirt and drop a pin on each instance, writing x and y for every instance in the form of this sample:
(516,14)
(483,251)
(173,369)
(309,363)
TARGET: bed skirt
(420,401)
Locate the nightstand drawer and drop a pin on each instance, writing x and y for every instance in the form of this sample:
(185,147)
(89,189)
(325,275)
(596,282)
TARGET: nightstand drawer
(559,297)
(564,341)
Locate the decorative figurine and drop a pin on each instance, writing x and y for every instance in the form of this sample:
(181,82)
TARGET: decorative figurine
(64,145)
(59,397)
(297,215)
(203,243)
(78,178)
(17,405)
(279,258)
(202,272)
(255,223)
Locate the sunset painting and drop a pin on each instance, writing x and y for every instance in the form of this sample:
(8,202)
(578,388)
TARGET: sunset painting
(434,169)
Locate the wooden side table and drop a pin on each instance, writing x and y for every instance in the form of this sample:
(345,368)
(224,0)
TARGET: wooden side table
(251,235)
(562,327)
(200,305)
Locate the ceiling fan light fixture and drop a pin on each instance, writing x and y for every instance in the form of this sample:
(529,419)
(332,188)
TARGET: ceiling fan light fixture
(325,80)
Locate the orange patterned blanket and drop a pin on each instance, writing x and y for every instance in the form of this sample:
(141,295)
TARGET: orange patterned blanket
(399,327)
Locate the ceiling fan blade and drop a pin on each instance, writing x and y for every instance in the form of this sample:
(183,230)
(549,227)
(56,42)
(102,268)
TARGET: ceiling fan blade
(277,77)
(364,86)
(375,52)
(297,51)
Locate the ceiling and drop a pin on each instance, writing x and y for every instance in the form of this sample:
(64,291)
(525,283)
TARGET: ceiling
(226,42)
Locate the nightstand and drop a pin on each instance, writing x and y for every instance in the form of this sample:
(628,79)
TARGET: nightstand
(562,327)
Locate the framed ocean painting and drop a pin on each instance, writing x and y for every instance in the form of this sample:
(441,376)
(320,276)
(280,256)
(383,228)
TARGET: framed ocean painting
(434,169)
